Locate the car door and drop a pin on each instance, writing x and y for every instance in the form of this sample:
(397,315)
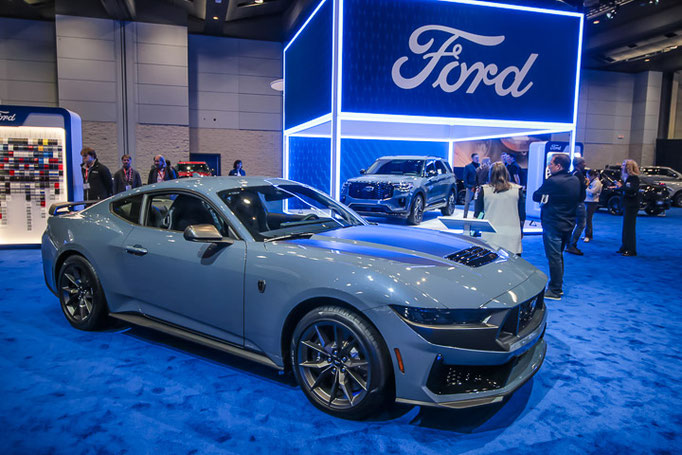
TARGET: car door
(196,285)
(443,180)
(431,185)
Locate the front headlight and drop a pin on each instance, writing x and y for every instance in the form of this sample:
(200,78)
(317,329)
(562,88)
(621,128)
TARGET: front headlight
(437,316)
(403,186)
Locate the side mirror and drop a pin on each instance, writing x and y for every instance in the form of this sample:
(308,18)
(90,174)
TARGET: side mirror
(205,233)
(362,171)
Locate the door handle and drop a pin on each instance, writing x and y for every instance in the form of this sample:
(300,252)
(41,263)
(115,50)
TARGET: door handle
(137,250)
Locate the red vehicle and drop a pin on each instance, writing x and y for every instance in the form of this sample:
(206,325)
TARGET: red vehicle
(193,169)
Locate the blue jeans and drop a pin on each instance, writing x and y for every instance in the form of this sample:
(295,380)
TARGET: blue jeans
(580,221)
(555,242)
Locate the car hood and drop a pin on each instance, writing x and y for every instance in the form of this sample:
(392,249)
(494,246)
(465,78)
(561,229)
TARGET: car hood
(418,255)
(379,178)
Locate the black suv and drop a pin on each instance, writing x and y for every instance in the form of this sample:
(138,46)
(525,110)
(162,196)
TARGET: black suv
(655,198)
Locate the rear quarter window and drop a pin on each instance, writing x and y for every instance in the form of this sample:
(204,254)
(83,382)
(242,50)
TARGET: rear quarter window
(128,208)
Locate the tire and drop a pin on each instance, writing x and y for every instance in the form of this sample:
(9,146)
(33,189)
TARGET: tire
(461,197)
(653,211)
(341,363)
(677,199)
(416,211)
(449,208)
(81,295)
(615,206)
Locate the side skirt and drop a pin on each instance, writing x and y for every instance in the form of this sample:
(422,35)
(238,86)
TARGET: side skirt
(195,337)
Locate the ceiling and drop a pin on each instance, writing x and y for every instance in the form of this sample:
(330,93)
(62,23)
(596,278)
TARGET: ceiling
(620,35)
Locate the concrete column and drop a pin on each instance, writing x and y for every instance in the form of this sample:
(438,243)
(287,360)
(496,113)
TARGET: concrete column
(645,113)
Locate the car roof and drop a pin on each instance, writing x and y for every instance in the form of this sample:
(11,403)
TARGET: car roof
(210,184)
(191,162)
(411,157)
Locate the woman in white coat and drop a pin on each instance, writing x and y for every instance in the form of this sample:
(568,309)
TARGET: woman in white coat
(502,204)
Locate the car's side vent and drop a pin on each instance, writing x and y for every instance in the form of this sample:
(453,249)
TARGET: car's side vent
(474,256)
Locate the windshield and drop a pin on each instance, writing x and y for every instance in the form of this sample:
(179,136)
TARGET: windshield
(287,210)
(193,167)
(396,167)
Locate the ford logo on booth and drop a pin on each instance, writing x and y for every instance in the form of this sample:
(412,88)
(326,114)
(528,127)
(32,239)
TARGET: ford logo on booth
(454,74)
(466,60)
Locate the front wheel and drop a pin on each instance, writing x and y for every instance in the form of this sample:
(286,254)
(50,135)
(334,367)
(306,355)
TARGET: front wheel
(677,199)
(653,211)
(615,206)
(81,295)
(449,208)
(340,362)
(417,212)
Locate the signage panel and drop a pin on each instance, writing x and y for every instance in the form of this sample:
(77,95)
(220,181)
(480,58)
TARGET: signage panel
(462,60)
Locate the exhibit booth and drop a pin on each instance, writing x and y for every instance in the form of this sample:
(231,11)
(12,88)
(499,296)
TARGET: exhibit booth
(39,156)
(416,76)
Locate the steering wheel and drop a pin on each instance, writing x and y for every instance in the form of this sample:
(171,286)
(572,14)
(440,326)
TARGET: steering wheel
(310,216)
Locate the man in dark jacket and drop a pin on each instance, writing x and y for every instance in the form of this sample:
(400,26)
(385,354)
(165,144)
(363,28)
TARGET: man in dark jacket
(96,177)
(581,211)
(559,196)
(470,181)
(512,167)
(161,171)
(126,178)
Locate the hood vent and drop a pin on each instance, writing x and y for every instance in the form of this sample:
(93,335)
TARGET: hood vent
(473,257)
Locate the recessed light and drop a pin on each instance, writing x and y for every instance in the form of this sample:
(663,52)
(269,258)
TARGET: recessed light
(215,18)
(647,59)
(596,21)
(258,2)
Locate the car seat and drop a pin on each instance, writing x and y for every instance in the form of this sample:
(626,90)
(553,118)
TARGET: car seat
(249,209)
(188,210)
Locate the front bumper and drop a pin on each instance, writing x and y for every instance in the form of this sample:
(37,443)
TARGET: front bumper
(452,372)
(397,205)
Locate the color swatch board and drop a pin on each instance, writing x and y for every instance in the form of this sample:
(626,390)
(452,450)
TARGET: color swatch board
(32,177)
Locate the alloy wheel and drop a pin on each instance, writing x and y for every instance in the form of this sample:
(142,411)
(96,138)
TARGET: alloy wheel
(334,365)
(77,292)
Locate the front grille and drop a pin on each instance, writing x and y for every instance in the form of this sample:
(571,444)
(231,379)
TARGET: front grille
(365,190)
(521,316)
(475,256)
(448,379)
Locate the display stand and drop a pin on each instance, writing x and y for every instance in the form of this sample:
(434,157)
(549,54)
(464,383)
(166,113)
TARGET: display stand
(39,156)
(467,224)
(433,74)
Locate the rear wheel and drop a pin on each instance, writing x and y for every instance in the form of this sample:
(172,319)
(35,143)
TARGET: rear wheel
(81,295)
(417,211)
(449,208)
(615,205)
(340,362)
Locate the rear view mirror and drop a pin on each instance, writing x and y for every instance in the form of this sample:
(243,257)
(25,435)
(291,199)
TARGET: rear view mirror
(205,233)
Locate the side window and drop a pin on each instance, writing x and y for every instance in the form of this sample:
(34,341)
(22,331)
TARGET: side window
(447,166)
(430,169)
(176,211)
(128,208)
(440,168)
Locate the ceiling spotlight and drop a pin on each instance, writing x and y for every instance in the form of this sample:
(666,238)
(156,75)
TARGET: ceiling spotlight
(258,2)
(215,18)
(596,21)
(611,14)
(647,59)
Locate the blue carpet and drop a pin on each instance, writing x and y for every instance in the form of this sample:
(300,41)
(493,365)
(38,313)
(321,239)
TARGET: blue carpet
(610,383)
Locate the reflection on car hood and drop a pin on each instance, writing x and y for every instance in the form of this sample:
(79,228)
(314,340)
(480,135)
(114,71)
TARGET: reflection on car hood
(371,178)
(422,253)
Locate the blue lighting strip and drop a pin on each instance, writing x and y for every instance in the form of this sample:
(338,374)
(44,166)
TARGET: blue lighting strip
(285,140)
(577,89)
(515,7)
(452,121)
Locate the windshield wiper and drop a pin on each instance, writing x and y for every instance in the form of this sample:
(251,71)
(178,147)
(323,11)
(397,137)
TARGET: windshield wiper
(290,236)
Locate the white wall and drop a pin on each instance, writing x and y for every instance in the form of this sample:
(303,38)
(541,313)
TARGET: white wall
(229,83)
(28,69)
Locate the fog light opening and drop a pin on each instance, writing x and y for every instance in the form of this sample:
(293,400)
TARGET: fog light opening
(399,358)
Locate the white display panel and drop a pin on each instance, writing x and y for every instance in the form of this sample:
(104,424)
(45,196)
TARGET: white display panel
(33,175)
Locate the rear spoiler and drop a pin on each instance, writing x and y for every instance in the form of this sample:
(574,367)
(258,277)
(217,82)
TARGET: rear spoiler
(58,208)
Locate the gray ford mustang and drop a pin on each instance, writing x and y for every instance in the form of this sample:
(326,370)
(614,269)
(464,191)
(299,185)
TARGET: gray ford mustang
(279,273)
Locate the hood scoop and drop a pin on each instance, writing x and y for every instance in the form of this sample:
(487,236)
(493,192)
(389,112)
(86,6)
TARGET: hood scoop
(475,256)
